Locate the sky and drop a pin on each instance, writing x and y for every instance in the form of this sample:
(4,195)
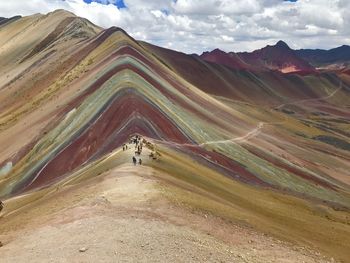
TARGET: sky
(194,26)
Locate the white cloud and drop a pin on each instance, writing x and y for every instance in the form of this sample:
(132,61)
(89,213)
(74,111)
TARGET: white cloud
(198,25)
(209,7)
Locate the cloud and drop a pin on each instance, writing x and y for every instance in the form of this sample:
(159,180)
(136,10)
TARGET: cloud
(211,7)
(199,25)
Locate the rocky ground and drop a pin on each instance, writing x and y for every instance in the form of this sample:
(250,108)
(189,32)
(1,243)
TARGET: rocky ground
(123,216)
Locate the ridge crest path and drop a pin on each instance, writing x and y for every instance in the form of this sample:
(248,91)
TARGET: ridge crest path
(123,216)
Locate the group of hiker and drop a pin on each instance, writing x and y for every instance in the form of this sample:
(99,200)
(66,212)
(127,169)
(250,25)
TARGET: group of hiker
(134,160)
(139,142)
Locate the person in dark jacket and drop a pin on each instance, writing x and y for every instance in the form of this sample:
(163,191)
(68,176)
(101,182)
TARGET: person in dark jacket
(1,205)
(134,160)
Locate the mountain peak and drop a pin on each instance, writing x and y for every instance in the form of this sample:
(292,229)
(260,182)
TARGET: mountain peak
(344,47)
(214,51)
(219,56)
(282,44)
(61,12)
(278,57)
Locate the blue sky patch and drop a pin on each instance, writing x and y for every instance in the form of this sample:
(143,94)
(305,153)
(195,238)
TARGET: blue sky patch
(118,3)
(165,12)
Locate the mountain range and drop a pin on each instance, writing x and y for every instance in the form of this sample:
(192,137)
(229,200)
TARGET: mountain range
(281,57)
(258,140)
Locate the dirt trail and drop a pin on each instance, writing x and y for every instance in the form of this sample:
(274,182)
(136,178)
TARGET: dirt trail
(123,217)
(255,131)
(312,99)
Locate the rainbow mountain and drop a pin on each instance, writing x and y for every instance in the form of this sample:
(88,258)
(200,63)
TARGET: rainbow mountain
(237,139)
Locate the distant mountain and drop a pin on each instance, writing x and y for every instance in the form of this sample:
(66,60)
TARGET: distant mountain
(4,20)
(228,59)
(321,58)
(278,57)
(282,58)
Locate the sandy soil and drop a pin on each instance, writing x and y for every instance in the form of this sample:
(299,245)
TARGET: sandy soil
(122,216)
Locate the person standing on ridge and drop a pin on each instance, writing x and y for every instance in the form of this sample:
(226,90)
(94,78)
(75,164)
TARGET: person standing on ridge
(134,160)
(140,161)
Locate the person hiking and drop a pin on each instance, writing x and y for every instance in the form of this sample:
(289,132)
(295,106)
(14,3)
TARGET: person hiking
(1,205)
(140,161)
(134,160)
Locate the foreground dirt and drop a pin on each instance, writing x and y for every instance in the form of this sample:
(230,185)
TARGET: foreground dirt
(122,216)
